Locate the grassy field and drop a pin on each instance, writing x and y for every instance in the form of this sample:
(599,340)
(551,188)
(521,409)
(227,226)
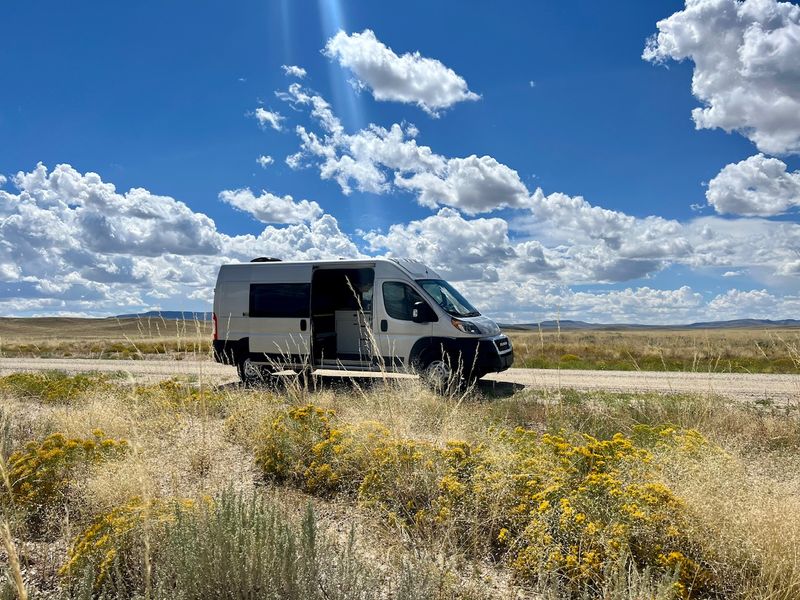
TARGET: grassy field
(115,489)
(57,337)
(714,350)
(705,350)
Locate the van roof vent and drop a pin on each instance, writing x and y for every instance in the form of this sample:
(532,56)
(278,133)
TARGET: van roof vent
(266,259)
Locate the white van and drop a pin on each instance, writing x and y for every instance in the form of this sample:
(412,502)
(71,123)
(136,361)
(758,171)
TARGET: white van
(395,315)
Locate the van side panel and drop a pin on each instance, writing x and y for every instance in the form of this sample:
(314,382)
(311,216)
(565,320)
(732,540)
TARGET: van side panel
(279,329)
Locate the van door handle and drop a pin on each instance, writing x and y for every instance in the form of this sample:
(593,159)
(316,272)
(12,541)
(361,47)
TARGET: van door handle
(384,325)
(303,326)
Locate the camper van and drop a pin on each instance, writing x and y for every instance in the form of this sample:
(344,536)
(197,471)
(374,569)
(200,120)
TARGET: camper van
(392,315)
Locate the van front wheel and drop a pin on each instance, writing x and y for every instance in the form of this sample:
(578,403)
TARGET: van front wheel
(439,375)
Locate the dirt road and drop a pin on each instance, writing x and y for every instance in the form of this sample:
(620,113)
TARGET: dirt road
(780,388)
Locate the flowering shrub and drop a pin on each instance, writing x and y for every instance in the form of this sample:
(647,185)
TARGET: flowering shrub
(41,472)
(577,508)
(285,451)
(52,387)
(105,549)
(552,505)
(175,395)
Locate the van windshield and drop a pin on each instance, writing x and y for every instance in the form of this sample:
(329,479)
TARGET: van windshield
(446,296)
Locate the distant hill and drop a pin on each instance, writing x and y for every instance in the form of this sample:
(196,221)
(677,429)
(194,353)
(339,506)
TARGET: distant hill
(565,325)
(568,325)
(170,315)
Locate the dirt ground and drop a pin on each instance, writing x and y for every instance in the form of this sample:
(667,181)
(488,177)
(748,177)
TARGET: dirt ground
(739,386)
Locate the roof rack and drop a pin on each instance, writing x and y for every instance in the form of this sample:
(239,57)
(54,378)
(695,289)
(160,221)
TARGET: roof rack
(265,259)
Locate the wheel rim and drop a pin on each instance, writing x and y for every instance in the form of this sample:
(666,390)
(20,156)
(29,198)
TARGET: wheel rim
(250,370)
(438,374)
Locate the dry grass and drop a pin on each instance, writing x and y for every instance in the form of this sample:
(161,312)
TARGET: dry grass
(706,350)
(769,350)
(193,441)
(57,337)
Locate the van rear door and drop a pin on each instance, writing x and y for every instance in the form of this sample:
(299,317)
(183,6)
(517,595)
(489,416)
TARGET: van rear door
(280,313)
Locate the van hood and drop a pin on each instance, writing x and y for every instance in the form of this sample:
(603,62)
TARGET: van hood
(484,324)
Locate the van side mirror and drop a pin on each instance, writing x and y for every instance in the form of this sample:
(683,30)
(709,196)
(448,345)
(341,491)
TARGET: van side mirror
(422,313)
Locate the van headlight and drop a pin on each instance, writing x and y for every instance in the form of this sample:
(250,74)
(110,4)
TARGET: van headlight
(465,326)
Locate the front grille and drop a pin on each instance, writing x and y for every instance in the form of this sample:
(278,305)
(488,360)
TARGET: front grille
(503,345)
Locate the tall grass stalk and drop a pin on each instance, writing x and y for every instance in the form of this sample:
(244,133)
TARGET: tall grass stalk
(13,560)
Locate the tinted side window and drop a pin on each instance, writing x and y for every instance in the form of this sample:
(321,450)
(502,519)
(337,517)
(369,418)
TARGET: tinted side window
(399,299)
(280,300)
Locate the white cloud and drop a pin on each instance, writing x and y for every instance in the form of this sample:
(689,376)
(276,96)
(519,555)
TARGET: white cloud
(755,304)
(294,71)
(410,78)
(70,243)
(756,186)
(269,208)
(3,180)
(459,249)
(268,117)
(530,301)
(55,205)
(746,58)
(732,274)
(473,184)
(379,160)
(568,239)
(55,260)
(265,161)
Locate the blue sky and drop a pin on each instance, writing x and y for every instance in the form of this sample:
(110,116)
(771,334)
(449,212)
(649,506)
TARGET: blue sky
(646,211)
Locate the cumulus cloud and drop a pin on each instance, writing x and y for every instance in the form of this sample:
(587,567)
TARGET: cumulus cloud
(269,118)
(269,208)
(530,301)
(54,259)
(54,206)
(410,78)
(756,186)
(70,243)
(294,71)
(265,161)
(552,237)
(379,160)
(756,304)
(473,184)
(3,180)
(459,249)
(746,58)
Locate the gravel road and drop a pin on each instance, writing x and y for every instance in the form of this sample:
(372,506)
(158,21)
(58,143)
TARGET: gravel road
(780,388)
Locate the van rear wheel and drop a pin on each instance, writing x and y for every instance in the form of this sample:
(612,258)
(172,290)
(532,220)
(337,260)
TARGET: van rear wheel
(251,373)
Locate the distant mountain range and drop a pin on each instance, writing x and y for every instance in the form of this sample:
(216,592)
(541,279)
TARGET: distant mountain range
(171,315)
(567,325)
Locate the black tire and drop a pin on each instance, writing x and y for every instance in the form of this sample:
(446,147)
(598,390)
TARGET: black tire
(251,374)
(440,373)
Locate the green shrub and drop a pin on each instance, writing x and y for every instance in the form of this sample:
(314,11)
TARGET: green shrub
(233,548)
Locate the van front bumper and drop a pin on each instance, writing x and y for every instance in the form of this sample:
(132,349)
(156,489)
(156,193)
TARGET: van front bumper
(494,355)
